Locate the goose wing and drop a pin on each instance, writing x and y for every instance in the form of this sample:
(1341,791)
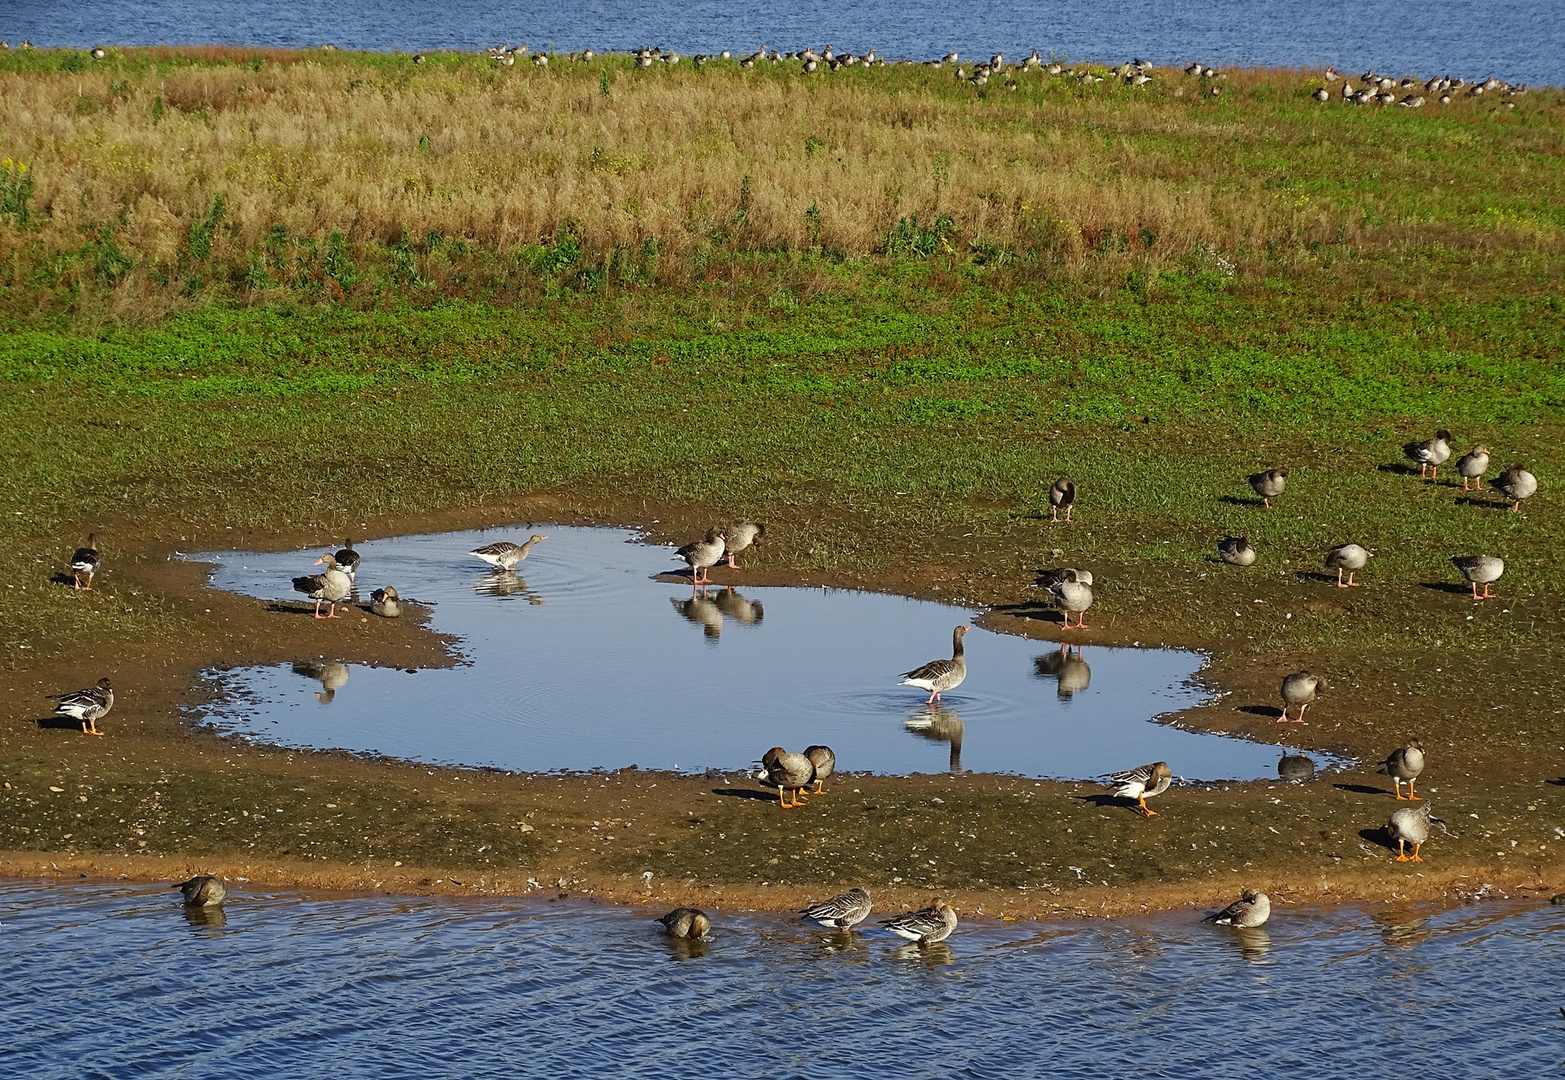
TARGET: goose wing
(1229,914)
(932,670)
(500,547)
(840,911)
(1141,774)
(312,585)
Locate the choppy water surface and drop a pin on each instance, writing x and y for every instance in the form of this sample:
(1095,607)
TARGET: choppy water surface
(100,980)
(584,660)
(1521,40)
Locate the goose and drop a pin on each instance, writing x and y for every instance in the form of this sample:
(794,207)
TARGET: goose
(1194,69)
(1073,596)
(1236,551)
(1405,763)
(348,560)
(1480,569)
(1253,908)
(1472,465)
(737,608)
(1143,782)
(1331,75)
(703,612)
(1321,95)
(686,922)
(738,537)
(1301,689)
(1268,485)
(1062,496)
(1445,99)
(1364,97)
(1409,825)
(542,60)
(1347,92)
(949,58)
(330,586)
(386,602)
(938,676)
(824,762)
(98,53)
(504,555)
(87,706)
(203,890)
(1349,557)
(785,772)
(1295,768)
(1516,484)
(701,554)
(85,562)
(1412,101)
(926,927)
(332,676)
(841,912)
(1429,454)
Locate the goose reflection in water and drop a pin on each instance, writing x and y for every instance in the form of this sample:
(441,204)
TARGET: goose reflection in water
(1403,927)
(506,585)
(1068,667)
(331,676)
(686,948)
(1253,941)
(737,608)
(703,612)
(940,725)
(934,954)
(1295,768)
(210,917)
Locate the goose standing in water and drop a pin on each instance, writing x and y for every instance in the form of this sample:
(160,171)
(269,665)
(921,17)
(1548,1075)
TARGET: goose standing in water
(1301,689)
(87,706)
(85,562)
(738,537)
(926,927)
(823,762)
(1143,782)
(1236,551)
(785,772)
(1480,569)
(348,560)
(1516,484)
(702,554)
(686,922)
(504,555)
(1349,557)
(203,890)
(1409,825)
(386,603)
(1062,496)
(1253,908)
(1430,454)
(1405,763)
(1268,485)
(938,676)
(1472,465)
(330,586)
(841,912)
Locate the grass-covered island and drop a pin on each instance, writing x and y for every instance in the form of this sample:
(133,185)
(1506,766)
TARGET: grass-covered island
(262,298)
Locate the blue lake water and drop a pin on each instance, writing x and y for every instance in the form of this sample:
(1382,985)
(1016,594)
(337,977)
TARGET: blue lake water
(586,659)
(1523,40)
(114,981)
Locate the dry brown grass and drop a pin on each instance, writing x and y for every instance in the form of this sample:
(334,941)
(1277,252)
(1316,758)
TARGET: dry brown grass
(381,149)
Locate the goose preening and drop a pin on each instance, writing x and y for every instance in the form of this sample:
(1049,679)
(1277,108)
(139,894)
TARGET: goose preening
(926,927)
(938,676)
(1049,578)
(1301,689)
(703,612)
(87,706)
(504,555)
(1268,485)
(823,762)
(1472,465)
(1253,908)
(1322,94)
(332,676)
(785,772)
(1143,782)
(1409,825)
(1405,763)
(702,554)
(85,562)
(738,537)
(330,586)
(686,922)
(1346,557)
(98,53)
(841,912)
(1429,454)
(1062,496)
(1480,569)
(1236,551)
(386,602)
(1516,484)
(203,890)
(1073,595)
(1331,75)
(1295,768)
(348,560)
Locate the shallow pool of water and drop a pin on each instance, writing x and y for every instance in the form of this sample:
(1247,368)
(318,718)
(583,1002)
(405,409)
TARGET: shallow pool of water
(586,659)
(112,981)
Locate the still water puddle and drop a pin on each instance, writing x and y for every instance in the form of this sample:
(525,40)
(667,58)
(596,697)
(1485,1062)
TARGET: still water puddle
(105,980)
(586,659)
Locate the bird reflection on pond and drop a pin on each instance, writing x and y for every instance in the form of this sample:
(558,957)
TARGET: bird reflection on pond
(934,954)
(708,611)
(939,725)
(1068,667)
(703,612)
(1295,768)
(506,585)
(331,675)
(1402,927)
(737,608)
(211,917)
(1253,941)
(686,948)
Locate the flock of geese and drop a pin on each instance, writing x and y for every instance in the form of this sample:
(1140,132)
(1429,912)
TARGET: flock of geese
(792,774)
